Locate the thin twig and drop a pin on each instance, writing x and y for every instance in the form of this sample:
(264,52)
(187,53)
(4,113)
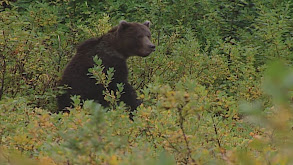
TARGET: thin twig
(172,146)
(216,132)
(181,122)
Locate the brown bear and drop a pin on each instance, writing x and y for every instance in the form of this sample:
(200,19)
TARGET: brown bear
(113,48)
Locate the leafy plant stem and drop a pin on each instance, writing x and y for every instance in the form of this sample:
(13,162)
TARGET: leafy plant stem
(181,122)
(216,132)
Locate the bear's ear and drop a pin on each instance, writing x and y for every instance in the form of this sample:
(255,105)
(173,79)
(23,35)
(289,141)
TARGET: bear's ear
(147,24)
(123,25)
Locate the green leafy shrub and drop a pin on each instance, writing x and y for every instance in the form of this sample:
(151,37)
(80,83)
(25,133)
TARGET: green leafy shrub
(211,57)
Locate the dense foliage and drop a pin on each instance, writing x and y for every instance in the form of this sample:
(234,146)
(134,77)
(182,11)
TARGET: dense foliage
(212,91)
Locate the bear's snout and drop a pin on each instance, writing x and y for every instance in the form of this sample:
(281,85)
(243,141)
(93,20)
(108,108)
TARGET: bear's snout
(152,47)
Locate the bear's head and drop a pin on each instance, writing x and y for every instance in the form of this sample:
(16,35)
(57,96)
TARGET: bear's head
(134,39)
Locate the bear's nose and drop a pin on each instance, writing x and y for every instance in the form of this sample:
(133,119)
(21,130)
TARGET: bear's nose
(152,47)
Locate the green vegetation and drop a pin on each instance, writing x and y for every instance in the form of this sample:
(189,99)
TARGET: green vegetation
(213,92)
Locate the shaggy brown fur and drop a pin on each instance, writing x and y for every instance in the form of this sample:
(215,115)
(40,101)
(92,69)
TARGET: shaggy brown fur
(125,40)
